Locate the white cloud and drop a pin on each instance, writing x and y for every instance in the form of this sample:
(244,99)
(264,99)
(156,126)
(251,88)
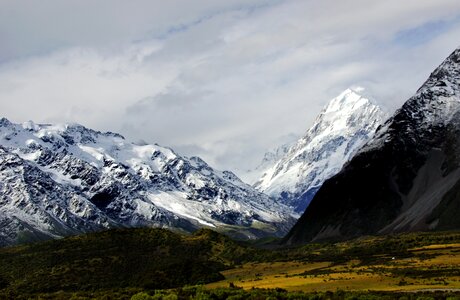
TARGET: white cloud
(226,80)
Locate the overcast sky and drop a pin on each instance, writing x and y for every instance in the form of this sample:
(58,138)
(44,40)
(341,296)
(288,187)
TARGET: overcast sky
(225,80)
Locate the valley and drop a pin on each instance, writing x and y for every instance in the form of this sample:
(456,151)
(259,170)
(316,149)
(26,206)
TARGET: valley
(361,203)
(123,264)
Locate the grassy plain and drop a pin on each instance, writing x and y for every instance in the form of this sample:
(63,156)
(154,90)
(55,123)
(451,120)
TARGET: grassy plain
(428,267)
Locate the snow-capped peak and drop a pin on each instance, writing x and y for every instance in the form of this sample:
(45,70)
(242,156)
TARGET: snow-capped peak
(348,100)
(344,125)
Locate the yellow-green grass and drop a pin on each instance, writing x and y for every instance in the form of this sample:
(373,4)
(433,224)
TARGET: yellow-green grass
(437,247)
(430,267)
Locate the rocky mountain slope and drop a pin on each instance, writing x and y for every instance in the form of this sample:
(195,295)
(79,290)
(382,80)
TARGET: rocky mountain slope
(405,179)
(344,125)
(58,180)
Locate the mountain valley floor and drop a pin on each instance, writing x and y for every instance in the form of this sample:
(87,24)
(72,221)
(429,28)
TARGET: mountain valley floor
(159,264)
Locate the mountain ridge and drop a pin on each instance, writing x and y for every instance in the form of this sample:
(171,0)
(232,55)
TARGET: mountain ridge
(405,179)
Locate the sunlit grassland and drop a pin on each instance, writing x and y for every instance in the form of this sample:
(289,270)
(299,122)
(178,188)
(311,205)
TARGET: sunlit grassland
(428,267)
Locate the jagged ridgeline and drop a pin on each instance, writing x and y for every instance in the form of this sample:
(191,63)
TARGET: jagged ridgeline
(405,179)
(59,180)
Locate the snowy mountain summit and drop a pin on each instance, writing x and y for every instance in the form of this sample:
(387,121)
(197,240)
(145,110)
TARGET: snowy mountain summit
(407,178)
(344,125)
(57,180)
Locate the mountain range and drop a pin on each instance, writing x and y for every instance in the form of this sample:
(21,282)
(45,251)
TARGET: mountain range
(66,179)
(352,174)
(58,180)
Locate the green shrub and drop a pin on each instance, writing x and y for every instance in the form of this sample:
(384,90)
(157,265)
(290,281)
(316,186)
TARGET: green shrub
(170,297)
(141,296)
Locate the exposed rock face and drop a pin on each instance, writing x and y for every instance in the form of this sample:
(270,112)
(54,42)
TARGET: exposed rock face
(405,179)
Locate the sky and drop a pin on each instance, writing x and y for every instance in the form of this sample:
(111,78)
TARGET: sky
(224,80)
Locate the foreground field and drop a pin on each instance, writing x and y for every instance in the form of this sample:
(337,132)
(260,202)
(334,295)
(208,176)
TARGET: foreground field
(159,264)
(431,267)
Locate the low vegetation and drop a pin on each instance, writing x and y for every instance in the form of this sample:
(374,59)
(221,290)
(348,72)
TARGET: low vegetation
(159,264)
(201,293)
(129,258)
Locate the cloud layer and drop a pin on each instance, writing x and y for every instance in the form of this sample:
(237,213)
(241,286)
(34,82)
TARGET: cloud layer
(225,80)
